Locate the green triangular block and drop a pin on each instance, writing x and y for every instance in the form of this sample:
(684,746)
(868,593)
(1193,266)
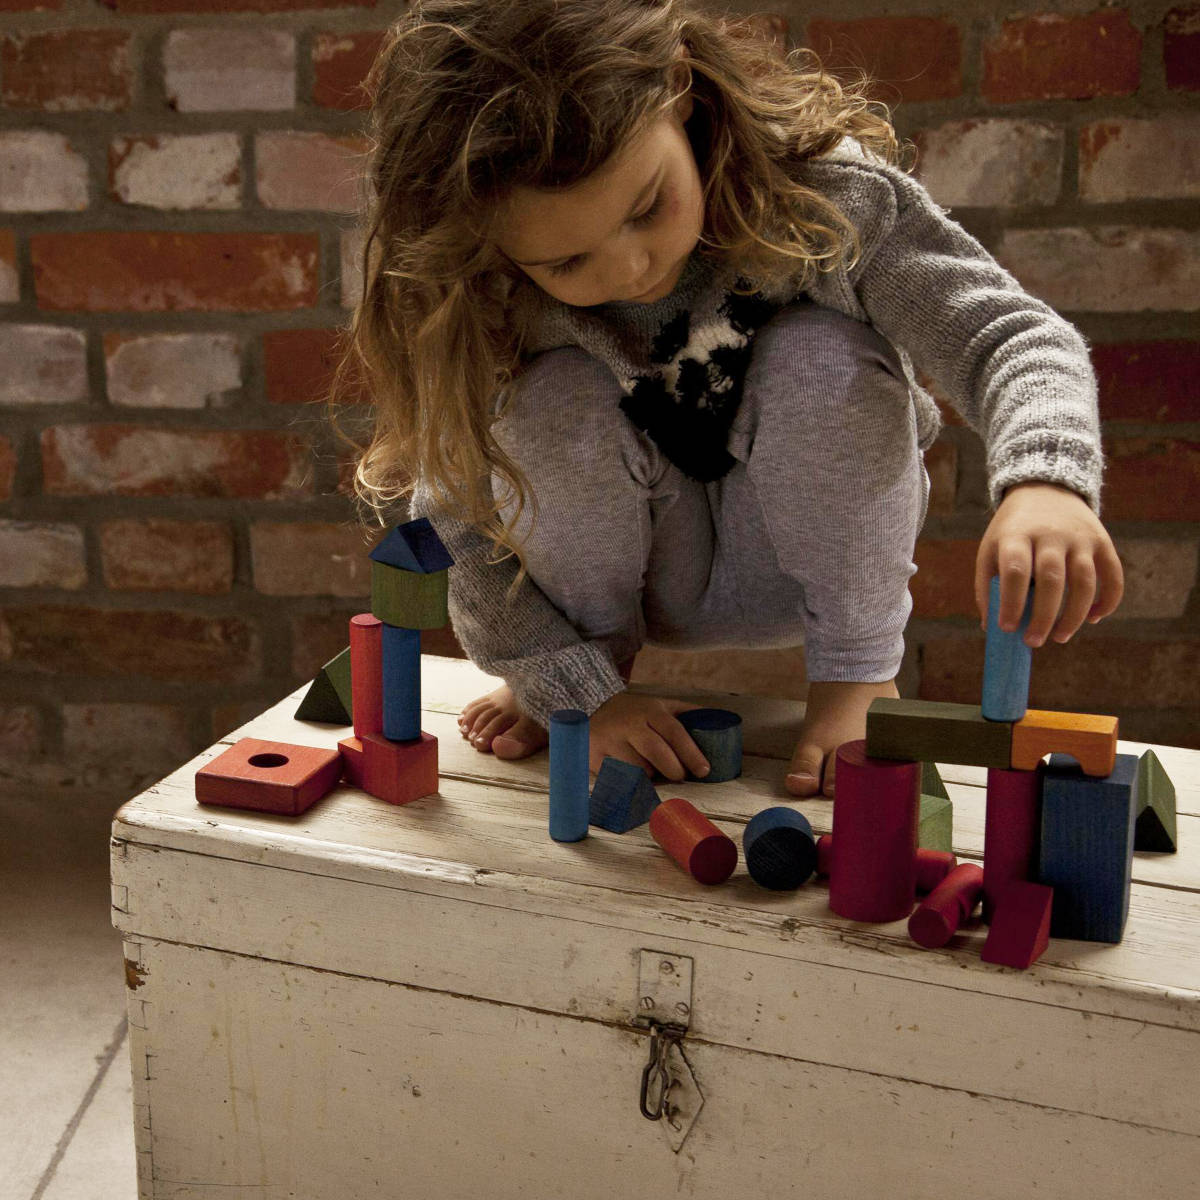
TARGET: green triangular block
(1155,829)
(329,697)
(931,781)
(935,828)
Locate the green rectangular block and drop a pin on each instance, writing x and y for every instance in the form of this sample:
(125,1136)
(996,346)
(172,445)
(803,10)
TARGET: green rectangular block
(937,731)
(408,599)
(935,825)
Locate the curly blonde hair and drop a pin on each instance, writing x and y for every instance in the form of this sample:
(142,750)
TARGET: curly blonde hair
(473,98)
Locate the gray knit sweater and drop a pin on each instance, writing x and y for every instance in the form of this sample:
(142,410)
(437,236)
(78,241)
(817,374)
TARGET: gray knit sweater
(1018,373)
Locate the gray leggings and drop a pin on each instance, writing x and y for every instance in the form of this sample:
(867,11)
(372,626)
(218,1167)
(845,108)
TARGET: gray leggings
(808,538)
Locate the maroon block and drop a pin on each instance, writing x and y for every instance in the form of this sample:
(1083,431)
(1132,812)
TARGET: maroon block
(938,917)
(1020,929)
(1012,831)
(932,866)
(399,772)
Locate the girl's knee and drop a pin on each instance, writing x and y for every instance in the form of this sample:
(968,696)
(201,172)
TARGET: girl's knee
(559,392)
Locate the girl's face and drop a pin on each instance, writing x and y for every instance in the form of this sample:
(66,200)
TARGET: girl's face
(623,233)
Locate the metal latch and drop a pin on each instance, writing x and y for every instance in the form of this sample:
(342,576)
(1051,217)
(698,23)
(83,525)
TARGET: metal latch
(664,1005)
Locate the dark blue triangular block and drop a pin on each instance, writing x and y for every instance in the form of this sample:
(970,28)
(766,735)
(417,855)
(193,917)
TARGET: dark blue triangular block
(414,546)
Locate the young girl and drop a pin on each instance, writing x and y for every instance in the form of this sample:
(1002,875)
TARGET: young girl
(642,304)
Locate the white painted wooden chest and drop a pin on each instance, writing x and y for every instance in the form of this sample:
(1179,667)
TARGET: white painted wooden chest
(438,1002)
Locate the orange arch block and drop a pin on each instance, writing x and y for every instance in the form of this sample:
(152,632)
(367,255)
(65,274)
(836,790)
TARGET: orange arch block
(1090,740)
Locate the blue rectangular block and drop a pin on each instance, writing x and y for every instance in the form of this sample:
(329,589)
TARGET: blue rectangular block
(1006,662)
(1087,847)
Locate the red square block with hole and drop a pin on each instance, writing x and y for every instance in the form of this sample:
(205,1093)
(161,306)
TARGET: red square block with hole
(274,777)
(399,772)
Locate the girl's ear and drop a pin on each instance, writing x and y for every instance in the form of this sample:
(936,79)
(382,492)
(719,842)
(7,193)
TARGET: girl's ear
(684,106)
(681,80)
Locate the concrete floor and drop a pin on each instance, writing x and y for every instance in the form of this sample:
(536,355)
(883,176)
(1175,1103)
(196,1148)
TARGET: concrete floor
(66,1120)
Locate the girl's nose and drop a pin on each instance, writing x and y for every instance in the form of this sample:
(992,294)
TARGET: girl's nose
(631,276)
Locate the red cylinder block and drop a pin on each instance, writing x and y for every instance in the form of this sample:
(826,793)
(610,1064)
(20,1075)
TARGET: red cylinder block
(366,673)
(932,866)
(945,908)
(693,841)
(875,811)
(1012,832)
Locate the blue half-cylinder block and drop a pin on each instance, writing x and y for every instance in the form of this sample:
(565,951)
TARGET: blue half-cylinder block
(1086,852)
(781,852)
(623,796)
(718,733)
(1006,662)
(414,546)
(401,683)
(569,800)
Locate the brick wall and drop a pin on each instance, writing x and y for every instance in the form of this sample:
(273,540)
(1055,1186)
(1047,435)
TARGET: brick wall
(177,182)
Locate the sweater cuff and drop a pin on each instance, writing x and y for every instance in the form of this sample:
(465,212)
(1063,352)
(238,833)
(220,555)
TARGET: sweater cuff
(582,676)
(1048,457)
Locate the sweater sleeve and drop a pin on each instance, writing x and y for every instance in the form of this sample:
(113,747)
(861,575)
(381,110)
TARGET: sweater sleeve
(525,641)
(1019,373)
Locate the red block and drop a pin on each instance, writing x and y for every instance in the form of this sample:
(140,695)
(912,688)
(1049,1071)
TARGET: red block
(1020,929)
(366,673)
(1012,831)
(875,811)
(939,916)
(693,841)
(351,750)
(274,777)
(399,772)
(932,866)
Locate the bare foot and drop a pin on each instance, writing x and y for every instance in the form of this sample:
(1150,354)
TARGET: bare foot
(835,713)
(495,723)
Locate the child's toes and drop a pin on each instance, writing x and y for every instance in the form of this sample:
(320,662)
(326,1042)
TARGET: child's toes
(489,725)
(804,774)
(525,737)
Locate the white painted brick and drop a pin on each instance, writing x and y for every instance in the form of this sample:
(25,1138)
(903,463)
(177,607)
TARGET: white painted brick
(224,70)
(1159,576)
(178,171)
(352,278)
(991,163)
(41,172)
(174,370)
(41,555)
(311,171)
(1107,269)
(1131,159)
(43,364)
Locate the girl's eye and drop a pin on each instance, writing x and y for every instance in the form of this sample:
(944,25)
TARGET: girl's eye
(565,268)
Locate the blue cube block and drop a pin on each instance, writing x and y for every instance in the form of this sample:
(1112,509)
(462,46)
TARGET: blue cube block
(622,798)
(1086,852)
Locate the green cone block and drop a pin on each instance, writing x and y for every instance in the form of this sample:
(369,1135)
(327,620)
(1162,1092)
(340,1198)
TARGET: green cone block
(407,599)
(1155,829)
(935,826)
(329,697)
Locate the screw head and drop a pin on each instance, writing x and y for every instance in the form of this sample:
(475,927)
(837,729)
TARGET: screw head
(647,1001)
(682,1009)
(667,967)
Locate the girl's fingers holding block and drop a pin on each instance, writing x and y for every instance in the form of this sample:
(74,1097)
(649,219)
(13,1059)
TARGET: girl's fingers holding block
(1110,582)
(1050,573)
(1081,575)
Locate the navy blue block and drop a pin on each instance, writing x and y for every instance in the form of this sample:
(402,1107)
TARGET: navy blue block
(569,800)
(401,683)
(1087,847)
(781,852)
(414,546)
(1006,662)
(622,797)
(718,733)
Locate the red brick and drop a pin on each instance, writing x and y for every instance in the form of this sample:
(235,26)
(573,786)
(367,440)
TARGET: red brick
(237,66)
(1131,158)
(341,62)
(311,171)
(224,6)
(941,462)
(29,5)
(167,272)
(909,58)
(10,283)
(68,70)
(125,460)
(944,585)
(167,556)
(185,647)
(308,558)
(1181,48)
(316,638)
(1148,381)
(1091,673)
(1056,56)
(299,365)
(20,731)
(130,744)
(41,554)
(233,715)
(8,468)
(1152,479)
(1160,574)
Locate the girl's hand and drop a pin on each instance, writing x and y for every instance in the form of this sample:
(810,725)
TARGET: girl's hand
(643,730)
(1051,533)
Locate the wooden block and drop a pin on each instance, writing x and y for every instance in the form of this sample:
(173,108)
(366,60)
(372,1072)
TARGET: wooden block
(1012,831)
(329,696)
(414,546)
(873,876)
(935,823)
(693,841)
(570,803)
(366,657)
(1091,740)
(931,781)
(779,848)
(718,733)
(936,731)
(399,772)
(274,777)
(930,866)
(351,750)
(622,797)
(401,667)
(1086,851)
(1155,828)
(940,915)
(409,600)
(1006,662)
(1020,930)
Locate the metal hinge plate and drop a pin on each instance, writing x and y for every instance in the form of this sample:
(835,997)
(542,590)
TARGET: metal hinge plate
(664,989)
